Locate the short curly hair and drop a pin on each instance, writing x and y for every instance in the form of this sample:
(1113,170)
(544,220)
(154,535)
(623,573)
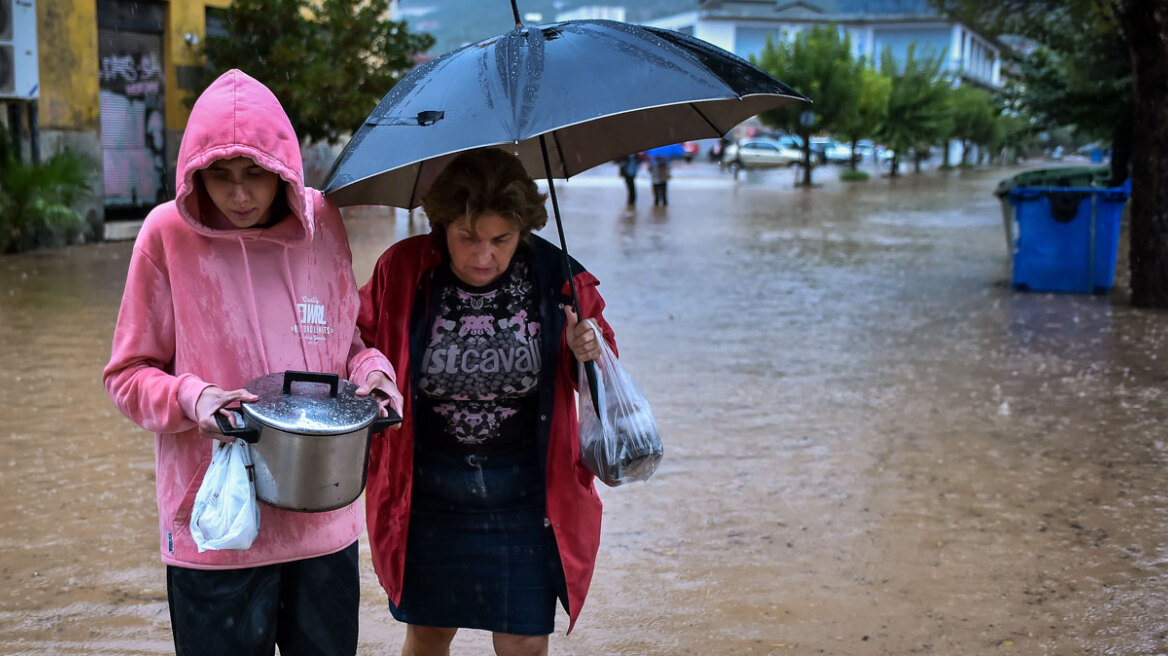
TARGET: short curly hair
(485,180)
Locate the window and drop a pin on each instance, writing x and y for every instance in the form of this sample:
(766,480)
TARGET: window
(215,18)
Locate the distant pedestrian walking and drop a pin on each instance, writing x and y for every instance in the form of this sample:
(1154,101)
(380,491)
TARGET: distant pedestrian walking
(659,171)
(628,170)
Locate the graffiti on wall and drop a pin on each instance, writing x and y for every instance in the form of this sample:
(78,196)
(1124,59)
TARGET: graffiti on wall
(133,125)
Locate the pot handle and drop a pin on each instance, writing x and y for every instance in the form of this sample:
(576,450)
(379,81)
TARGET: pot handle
(382,423)
(332,380)
(249,435)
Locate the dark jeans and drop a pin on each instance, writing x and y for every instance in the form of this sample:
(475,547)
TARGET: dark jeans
(631,185)
(659,193)
(307,607)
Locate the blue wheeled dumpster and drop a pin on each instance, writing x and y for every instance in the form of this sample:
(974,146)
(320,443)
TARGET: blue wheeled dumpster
(1058,176)
(1067,239)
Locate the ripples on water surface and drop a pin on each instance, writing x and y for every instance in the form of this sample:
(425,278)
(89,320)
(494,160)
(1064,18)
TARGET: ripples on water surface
(874,446)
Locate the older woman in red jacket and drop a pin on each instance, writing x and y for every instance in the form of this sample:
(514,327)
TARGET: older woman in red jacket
(480,512)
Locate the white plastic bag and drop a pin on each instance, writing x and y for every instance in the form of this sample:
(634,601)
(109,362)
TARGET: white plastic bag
(621,443)
(226,514)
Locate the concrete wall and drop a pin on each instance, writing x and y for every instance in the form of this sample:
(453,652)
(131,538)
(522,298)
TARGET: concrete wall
(68,110)
(67,32)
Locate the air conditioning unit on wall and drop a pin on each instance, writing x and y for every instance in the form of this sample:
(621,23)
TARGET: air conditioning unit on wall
(19,75)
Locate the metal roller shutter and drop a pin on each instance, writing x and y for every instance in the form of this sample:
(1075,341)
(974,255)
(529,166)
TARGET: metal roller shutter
(133,123)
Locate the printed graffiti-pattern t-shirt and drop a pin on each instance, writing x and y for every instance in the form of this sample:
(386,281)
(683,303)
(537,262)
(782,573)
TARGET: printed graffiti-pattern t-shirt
(479,377)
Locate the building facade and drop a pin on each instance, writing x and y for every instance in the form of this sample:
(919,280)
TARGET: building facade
(114,78)
(743,27)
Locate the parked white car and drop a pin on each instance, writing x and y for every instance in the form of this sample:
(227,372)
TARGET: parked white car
(834,152)
(763,153)
(868,151)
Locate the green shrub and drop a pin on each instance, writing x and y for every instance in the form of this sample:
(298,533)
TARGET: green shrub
(36,200)
(854,176)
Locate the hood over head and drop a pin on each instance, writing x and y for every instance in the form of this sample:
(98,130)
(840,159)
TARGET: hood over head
(237,116)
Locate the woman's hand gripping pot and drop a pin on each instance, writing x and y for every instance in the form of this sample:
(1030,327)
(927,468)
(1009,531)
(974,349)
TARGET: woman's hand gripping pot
(386,393)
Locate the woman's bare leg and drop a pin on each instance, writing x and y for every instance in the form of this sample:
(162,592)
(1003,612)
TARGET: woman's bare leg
(428,641)
(509,644)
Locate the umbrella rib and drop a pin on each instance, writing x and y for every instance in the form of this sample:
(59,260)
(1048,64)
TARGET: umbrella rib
(705,118)
(414,201)
(560,152)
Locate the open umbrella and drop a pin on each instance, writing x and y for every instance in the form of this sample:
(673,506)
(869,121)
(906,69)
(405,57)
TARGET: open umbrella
(575,93)
(672,151)
(564,97)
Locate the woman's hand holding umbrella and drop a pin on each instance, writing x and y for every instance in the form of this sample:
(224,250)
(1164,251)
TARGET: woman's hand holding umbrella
(583,337)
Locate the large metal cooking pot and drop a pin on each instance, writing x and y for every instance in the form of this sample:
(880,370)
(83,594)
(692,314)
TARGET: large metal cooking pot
(310,444)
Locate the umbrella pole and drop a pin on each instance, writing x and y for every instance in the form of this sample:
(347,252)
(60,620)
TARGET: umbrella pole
(515,11)
(589,367)
(547,167)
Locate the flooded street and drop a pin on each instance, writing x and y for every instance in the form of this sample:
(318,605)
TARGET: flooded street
(873,445)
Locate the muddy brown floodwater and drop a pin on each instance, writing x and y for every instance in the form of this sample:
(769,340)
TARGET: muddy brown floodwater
(873,445)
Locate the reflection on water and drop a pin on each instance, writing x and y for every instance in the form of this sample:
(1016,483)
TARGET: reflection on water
(873,444)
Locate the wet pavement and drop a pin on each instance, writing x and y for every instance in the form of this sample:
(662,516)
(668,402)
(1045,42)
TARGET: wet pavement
(873,445)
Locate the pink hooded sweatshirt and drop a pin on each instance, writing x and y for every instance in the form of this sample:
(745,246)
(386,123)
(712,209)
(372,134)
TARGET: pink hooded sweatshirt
(207,303)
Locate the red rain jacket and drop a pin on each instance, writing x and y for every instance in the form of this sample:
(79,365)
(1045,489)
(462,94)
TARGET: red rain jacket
(392,316)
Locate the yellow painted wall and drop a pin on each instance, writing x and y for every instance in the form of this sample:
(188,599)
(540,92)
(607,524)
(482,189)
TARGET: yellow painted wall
(67,51)
(184,17)
(67,57)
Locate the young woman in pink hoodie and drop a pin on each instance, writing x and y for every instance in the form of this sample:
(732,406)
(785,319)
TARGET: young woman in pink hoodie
(246,273)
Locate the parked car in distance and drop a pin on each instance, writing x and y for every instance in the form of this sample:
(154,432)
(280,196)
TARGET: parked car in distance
(762,153)
(866,150)
(819,146)
(834,152)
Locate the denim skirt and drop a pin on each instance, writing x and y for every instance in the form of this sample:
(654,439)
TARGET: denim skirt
(479,553)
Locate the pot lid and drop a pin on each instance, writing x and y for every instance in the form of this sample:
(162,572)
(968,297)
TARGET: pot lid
(309,403)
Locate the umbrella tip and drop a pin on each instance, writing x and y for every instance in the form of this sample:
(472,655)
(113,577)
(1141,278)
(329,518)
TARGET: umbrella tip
(515,12)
